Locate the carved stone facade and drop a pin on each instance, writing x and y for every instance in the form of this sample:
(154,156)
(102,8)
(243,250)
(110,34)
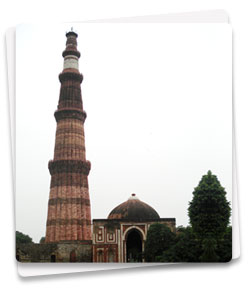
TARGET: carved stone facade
(123,239)
(110,238)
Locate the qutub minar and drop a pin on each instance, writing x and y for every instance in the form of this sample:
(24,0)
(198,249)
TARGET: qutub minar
(69,217)
(71,235)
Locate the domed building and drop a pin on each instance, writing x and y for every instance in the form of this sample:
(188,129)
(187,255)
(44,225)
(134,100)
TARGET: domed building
(121,237)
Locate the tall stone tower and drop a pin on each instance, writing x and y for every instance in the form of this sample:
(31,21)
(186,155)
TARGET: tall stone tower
(69,215)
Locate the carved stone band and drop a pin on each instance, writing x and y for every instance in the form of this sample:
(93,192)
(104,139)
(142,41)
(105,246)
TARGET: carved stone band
(70,76)
(71,51)
(69,146)
(69,166)
(82,201)
(69,179)
(65,130)
(70,113)
(72,221)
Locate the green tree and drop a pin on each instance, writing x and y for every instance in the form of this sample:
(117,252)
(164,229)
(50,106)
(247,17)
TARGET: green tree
(209,211)
(42,240)
(209,214)
(224,246)
(186,248)
(209,246)
(22,238)
(159,239)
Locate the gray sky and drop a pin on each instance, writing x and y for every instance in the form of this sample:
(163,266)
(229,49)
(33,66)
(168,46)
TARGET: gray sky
(159,103)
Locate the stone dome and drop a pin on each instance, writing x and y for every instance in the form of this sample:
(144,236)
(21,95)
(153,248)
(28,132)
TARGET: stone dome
(134,209)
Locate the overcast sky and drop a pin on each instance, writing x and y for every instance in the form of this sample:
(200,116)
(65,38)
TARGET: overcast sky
(159,103)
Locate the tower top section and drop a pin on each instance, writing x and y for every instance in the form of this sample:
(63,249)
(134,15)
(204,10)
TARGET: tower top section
(71,33)
(71,45)
(71,56)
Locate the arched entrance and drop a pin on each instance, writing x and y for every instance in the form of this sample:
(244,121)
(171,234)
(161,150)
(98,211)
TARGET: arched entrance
(53,259)
(134,246)
(73,257)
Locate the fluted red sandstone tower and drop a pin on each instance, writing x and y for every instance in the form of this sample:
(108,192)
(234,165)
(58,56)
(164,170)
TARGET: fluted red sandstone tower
(69,216)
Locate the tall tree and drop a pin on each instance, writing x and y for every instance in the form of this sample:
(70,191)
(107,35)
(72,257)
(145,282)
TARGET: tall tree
(209,214)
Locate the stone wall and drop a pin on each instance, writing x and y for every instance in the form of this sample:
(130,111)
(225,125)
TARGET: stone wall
(52,252)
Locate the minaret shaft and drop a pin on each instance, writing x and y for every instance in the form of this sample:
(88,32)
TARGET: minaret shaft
(69,214)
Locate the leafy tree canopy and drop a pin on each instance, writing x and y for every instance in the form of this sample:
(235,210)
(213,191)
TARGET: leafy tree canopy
(42,240)
(185,249)
(159,239)
(209,246)
(209,211)
(224,246)
(188,248)
(209,239)
(22,238)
